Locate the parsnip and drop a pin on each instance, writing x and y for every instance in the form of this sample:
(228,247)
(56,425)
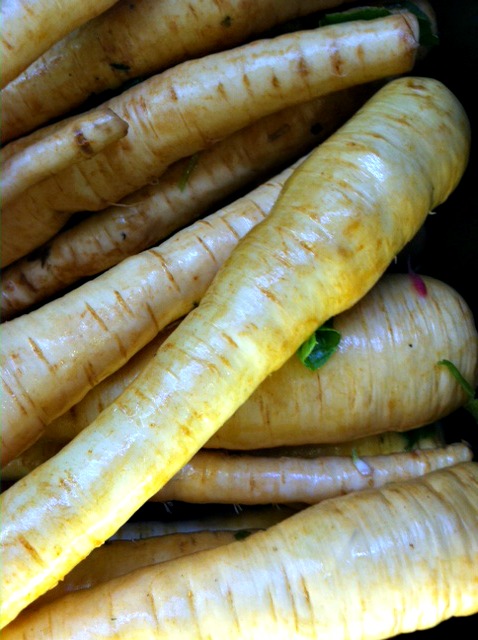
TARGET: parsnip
(134,38)
(118,557)
(81,138)
(101,324)
(330,477)
(30,28)
(241,479)
(426,437)
(383,377)
(369,565)
(185,109)
(341,218)
(177,198)
(30,459)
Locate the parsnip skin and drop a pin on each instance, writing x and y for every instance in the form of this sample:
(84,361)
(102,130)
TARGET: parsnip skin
(245,519)
(30,28)
(340,220)
(134,38)
(358,392)
(118,557)
(369,565)
(178,198)
(80,139)
(187,108)
(108,319)
(221,478)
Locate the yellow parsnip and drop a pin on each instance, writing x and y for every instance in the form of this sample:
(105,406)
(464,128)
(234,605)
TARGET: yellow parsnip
(185,109)
(369,565)
(341,218)
(134,38)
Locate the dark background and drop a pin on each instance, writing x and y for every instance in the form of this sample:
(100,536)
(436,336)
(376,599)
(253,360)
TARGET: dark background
(450,241)
(451,247)
(451,237)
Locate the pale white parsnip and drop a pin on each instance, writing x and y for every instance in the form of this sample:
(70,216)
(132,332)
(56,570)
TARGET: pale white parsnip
(180,196)
(79,139)
(134,38)
(369,565)
(342,216)
(192,105)
(30,28)
(224,478)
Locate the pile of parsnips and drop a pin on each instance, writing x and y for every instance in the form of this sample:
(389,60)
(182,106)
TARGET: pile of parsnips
(149,343)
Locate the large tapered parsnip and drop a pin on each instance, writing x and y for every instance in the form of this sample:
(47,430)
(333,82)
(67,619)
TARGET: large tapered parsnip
(181,195)
(134,38)
(383,377)
(185,109)
(30,28)
(369,565)
(101,324)
(342,216)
